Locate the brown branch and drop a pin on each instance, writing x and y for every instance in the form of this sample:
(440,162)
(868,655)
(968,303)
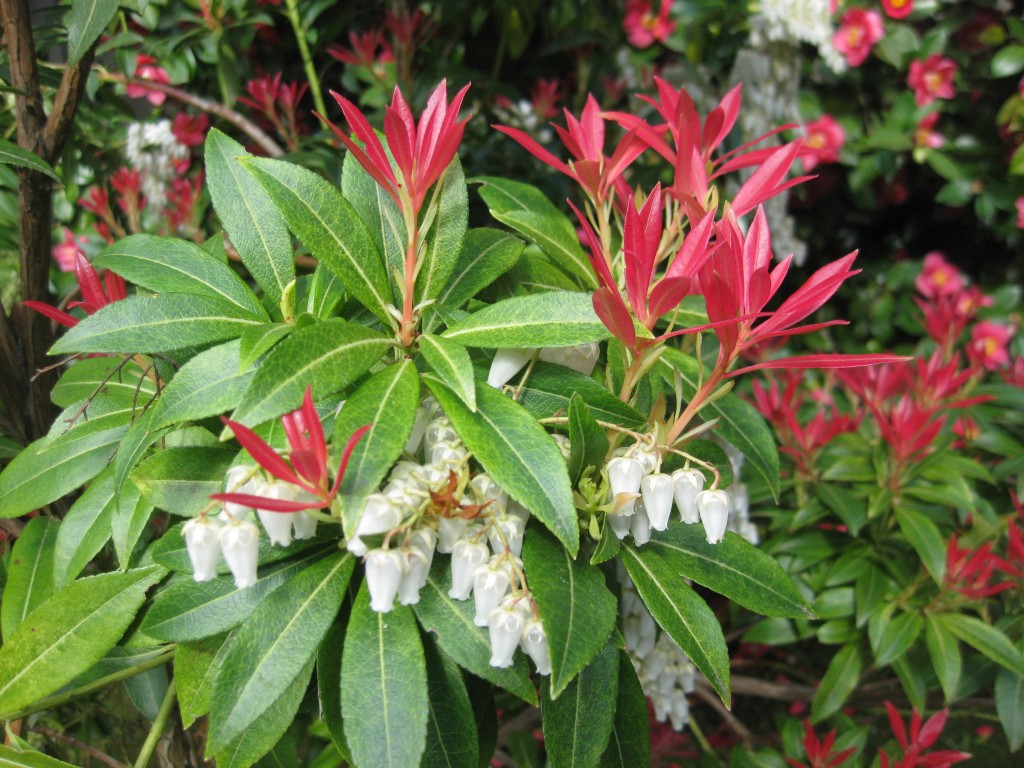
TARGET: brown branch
(103,757)
(65,105)
(702,690)
(766,689)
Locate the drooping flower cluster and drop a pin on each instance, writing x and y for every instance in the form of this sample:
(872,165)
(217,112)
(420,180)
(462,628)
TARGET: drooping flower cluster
(153,149)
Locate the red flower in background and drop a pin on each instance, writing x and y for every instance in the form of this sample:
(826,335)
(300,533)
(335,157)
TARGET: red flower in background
(898,9)
(859,30)
(819,752)
(65,253)
(989,343)
(93,294)
(147,69)
(644,28)
(938,277)
(366,49)
(932,79)
(190,130)
(926,136)
(921,738)
(823,140)
(969,571)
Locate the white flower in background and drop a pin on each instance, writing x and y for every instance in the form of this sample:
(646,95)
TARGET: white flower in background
(202,542)
(154,151)
(240,543)
(801,21)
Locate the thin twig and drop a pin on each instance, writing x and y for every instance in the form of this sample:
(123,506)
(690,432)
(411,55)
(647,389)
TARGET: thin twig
(703,691)
(78,744)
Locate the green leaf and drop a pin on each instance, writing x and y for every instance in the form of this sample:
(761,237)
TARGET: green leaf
(548,390)
(1010,706)
(1008,61)
(327,356)
(451,728)
(576,607)
(86,22)
(629,745)
(187,610)
(108,375)
(924,537)
(897,637)
(529,211)
(733,568)
(12,154)
(444,239)
(257,341)
(12,758)
(388,400)
(944,650)
(450,361)
(180,480)
(48,469)
(985,639)
(739,423)
(682,613)
(30,572)
(131,516)
(558,319)
(588,443)
(325,293)
(534,273)
(486,255)
(156,324)
(451,623)
(267,729)
(841,679)
(208,384)
(85,528)
(168,265)
(329,227)
(193,674)
(328,681)
(69,633)
(578,723)
(517,453)
(383,686)
(270,649)
(256,228)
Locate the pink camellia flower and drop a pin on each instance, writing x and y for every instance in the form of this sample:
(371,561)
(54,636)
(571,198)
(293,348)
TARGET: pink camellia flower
(146,69)
(1019,202)
(644,28)
(988,344)
(932,79)
(66,252)
(938,277)
(898,9)
(190,130)
(926,137)
(823,140)
(858,32)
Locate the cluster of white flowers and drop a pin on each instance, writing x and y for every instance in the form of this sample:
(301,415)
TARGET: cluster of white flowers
(800,21)
(155,152)
(666,673)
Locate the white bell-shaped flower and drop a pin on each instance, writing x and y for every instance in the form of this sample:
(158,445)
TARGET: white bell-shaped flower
(513,507)
(438,432)
(406,492)
(619,523)
(303,525)
(624,476)
(449,531)
(240,543)
(278,525)
(505,627)
(647,455)
(714,514)
(679,711)
(534,643)
(506,364)
(688,483)
(380,515)
(506,530)
(238,479)
(202,542)
(640,524)
(448,455)
(749,532)
(653,665)
(467,556)
(486,490)
(490,583)
(581,357)
(658,491)
(403,470)
(739,500)
(419,426)
(415,576)
(384,571)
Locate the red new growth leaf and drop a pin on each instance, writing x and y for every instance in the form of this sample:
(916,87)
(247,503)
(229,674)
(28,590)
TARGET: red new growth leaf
(93,294)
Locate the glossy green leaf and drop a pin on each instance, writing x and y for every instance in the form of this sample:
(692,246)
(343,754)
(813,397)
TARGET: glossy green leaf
(147,690)
(529,211)
(12,758)
(48,469)
(383,686)
(734,568)
(841,679)
(208,384)
(12,154)
(682,613)
(257,341)
(267,729)
(266,653)
(326,293)
(533,273)
(193,674)
(329,227)
(517,452)
(923,535)
(256,228)
(588,443)
(944,649)
(85,528)
(101,413)
(131,516)
(387,400)
(558,319)
(629,745)
(86,22)
(577,608)
(739,423)
(170,265)
(188,611)
(897,637)
(985,639)
(30,572)
(67,634)
(156,324)
(451,728)
(451,623)
(486,254)
(328,681)
(1009,692)
(444,238)
(578,723)
(327,356)
(450,361)
(550,387)
(180,480)
(103,375)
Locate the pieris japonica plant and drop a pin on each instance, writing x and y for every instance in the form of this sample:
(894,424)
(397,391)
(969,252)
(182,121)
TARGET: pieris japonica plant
(446,464)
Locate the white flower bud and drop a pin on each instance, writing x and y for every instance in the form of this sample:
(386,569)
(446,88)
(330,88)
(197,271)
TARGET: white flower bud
(658,490)
(303,525)
(449,530)
(384,570)
(415,576)
(278,526)
(534,643)
(513,507)
(714,514)
(511,528)
(233,484)
(563,444)
(646,454)
(688,483)
(485,489)
(240,543)
(679,711)
(467,556)
(438,432)
(619,523)
(432,407)
(380,515)
(403,470)
(419,426)
(202,542)
(640,525)
(490,583)
(581,357)
(448,455)
(624,476)
(654,664)
(505,627)
(739,499)
(749,532)
(506,364)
